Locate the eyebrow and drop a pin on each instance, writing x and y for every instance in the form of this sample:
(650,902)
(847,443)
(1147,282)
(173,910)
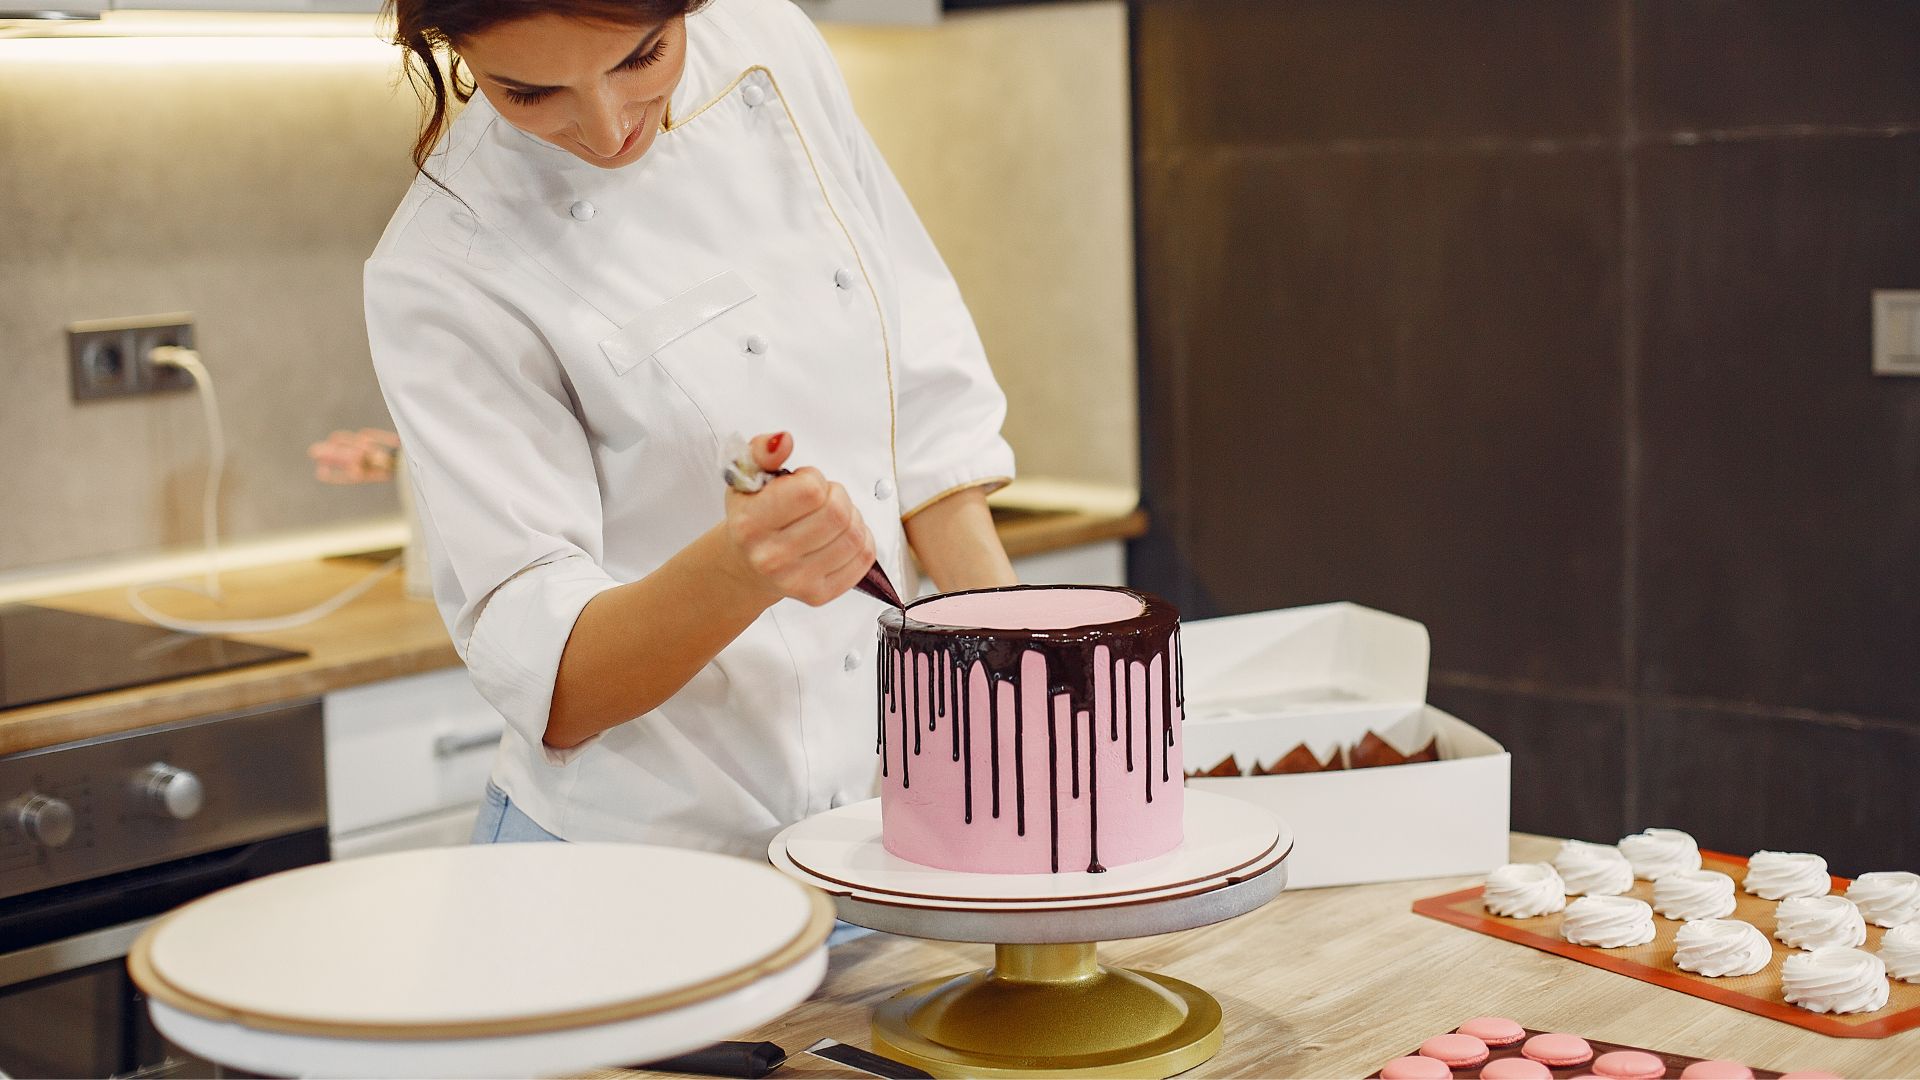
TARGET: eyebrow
(646,43)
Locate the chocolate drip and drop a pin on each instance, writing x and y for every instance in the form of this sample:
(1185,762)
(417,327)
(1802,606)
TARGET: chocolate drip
(993,737)
(1071,668)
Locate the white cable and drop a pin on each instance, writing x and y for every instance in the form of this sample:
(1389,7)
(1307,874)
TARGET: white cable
(188,361)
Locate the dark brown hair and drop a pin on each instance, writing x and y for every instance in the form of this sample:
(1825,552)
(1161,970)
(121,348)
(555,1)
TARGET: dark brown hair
(428,28)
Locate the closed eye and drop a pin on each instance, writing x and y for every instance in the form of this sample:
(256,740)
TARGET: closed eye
(643,57)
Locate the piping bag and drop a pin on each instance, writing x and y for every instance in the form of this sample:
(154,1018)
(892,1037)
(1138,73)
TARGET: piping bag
(744,475)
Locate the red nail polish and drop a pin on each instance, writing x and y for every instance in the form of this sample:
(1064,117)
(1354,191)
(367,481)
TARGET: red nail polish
(773,444)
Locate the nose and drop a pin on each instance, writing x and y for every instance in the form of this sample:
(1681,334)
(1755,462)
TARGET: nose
(602,127)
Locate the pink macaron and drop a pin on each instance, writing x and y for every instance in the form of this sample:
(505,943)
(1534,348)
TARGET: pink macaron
(1629,1065)
(1519,1068)
(1415,1068)
(1455,1051)
(1493,1030)
(1558,1050)
(1719,1069)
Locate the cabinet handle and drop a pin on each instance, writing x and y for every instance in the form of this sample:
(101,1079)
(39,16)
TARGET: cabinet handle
(455,743)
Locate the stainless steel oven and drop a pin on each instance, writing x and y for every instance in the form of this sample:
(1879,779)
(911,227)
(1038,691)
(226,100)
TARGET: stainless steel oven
(99,838)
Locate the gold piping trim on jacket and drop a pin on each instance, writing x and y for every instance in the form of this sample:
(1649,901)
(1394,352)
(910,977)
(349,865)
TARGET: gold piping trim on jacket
(991,483)
(879,314)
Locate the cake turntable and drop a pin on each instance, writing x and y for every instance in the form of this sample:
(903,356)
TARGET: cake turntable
(1046,1006)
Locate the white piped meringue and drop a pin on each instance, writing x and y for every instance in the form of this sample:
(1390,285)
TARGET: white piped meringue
(1776,875)
(1608,922)
(1694,894)
(1593,869)
(1835,980)
(1900,950)
(1887,897)
(1815,922)
(1721,947)
(1656,853)
(1524,890)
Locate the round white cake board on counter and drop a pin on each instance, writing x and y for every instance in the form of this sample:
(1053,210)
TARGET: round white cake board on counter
(1047,1007)
(490,960)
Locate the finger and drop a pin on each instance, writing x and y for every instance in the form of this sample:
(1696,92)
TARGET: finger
(820,529)
(787,499)
(772,451)
(380,437)
(845,576)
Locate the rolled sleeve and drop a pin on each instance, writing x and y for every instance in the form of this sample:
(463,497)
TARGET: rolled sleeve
(503,478)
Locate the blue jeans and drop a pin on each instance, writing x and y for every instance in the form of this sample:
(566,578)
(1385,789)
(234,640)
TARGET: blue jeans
(501,822)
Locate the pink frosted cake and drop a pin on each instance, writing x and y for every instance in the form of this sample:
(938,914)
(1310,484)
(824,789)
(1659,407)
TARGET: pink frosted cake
(1031,729)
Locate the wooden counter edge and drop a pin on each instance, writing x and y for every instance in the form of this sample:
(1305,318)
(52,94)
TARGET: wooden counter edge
(114,712)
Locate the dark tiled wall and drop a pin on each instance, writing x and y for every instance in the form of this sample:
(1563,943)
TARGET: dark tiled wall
(1546,323)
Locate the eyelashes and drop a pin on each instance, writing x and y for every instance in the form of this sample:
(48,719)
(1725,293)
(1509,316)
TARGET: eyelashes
(632,63)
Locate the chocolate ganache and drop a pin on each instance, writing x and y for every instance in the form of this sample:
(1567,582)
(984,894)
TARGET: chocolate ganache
(928,717)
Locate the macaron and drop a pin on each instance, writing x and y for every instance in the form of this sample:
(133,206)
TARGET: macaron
(1629,1065)
(1415,1068)
(1558,1050)
(1493,1030)
(1518,1068)
(1455,1051)
(1718,1069)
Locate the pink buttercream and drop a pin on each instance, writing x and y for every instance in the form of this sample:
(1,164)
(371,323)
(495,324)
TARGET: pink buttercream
(1035,609)
(923,806)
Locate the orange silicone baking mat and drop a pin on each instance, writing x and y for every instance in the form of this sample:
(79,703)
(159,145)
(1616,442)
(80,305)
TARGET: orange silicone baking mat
(1758,993)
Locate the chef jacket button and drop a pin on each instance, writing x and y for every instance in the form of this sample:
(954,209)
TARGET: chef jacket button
(883,489)
(843,278)
(852,661)
(581,211)
(753,95)
(756,345)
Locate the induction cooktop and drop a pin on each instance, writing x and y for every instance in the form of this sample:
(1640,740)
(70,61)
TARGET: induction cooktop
(48,655)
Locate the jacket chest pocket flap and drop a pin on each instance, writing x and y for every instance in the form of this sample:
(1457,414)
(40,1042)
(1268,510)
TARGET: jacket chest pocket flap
(670,320)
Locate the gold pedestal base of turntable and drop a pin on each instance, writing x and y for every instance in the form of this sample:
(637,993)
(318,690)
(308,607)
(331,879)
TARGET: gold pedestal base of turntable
(1050,1010)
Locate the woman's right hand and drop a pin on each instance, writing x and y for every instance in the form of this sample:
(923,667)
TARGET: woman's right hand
(799,536)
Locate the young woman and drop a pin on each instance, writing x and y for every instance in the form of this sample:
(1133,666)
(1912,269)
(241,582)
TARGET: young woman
(659,223)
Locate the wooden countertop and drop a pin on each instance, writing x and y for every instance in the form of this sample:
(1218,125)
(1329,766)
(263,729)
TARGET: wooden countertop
(381,635)
(1336,982)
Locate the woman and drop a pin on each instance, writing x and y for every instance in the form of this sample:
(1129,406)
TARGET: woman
(656,224)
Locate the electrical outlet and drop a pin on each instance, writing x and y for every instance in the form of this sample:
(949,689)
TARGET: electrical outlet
(1896,332)
(108,357)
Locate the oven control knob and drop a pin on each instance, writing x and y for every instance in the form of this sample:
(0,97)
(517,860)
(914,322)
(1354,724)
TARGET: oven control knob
(170,792)
(47,821)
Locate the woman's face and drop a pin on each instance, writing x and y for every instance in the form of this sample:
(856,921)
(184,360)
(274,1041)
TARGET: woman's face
(598,90)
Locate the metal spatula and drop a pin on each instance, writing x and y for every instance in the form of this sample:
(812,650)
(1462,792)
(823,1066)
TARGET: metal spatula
(755,1060)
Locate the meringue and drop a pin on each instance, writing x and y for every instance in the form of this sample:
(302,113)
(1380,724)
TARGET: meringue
(1694,894)
(1721,947)
(1608,922)
(1593,869)
(1887,897)
(1523,890)
(1814,922)
(1656,853)
(1900,951)
(1776,875)
(1835,980)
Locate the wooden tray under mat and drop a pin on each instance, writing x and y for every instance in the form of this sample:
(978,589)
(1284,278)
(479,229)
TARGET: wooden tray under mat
(1676,1063)
(1758,993)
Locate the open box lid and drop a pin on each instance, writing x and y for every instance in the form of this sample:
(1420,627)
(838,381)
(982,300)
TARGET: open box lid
(1329,658)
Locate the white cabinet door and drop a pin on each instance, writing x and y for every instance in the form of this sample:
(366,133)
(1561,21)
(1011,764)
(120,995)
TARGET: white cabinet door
(407,747)
(1103,563)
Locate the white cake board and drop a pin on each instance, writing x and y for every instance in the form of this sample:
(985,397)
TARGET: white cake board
(491,960)
(554,1053)
(1233,861)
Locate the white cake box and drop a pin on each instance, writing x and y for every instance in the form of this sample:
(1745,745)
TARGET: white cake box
(1259,685)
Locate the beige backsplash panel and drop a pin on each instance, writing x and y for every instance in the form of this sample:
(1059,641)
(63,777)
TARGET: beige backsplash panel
(246,181)
(242,180)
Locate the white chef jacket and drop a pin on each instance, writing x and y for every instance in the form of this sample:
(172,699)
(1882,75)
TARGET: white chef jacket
(563,348)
